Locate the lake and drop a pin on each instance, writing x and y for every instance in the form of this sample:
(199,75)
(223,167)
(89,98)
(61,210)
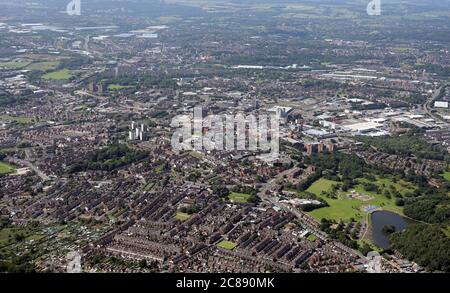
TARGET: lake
(382,218)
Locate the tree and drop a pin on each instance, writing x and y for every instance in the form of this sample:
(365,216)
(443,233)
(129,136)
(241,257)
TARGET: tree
(425,244)
(143,264)
(365,248)
(388,229)
(399,202)
(221,191)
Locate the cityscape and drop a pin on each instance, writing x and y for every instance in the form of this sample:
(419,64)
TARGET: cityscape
(223,136)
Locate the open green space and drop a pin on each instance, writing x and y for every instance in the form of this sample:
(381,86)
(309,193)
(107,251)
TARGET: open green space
(114,156)
(447,231)
(148,186)
(20,120)
(64,74)
(43,66)
(182,216)
(116,87)
(239,197)
(6,168)
(18,234)
(196,155)
(13,64)
(312,237)
(446,175)
(5,234)
(345,208)
(168,19)
(227,245)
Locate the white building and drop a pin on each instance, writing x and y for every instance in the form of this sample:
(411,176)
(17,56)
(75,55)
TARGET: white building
(441,104)
(136,132)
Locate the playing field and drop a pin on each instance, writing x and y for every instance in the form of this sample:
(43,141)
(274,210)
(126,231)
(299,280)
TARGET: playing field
(446,175)
(182,216)
(239,197)
(6,168)
(20,120)
(312,237)
(13,65)
(227,245)
(64,74)
(346,208)
(43,66)
(116,87)
(196,155)
(447,231)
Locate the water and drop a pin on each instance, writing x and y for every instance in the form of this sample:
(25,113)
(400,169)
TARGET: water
(382,218)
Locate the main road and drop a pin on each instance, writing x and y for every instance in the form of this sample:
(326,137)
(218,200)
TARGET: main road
(427,105)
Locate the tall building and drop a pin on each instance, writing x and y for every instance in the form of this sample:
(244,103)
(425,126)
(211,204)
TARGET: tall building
(101,88)
(92,87)
(137,132)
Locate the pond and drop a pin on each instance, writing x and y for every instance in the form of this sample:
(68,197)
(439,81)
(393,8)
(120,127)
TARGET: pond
(381,219)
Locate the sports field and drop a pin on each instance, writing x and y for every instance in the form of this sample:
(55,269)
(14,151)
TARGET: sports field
(239,197)
(64,74)
(13,65)
(43,66)
(6,168)
(446,175)
(227,244)
(20,120)
(182,216)
(116,87)
(312,237)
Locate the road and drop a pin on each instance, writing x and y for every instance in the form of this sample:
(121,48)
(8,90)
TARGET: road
(30,165)
(427,105)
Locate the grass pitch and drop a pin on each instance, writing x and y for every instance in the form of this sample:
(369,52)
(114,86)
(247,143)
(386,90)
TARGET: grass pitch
(446,175)
(64,74)
(6,168)
(182,216)
(227,245)
(239,197)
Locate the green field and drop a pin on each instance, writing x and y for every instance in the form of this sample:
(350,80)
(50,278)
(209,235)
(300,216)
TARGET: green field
(13,65)
(227,245)
(446,175)
(447,231)
(64,74)
(182,216)
(8,235)
(312,237)
(239,197)
(196,155)
(43,66)
(148,186)
(346,208)
(20,120)
(116,87)
(5,234)
(6,168)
